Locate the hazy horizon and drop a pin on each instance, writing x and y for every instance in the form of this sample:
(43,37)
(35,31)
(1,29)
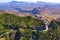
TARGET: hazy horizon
(51,1)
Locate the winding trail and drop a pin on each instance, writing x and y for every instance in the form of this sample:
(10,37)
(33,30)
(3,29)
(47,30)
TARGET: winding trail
(43,30)
(46,25)
(46,28)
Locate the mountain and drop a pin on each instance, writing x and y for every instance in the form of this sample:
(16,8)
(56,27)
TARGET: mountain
(29,8)
(16,6)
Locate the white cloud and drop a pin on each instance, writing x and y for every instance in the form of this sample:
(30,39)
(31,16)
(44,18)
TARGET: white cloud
(27,0)
(54,1)
(4,1)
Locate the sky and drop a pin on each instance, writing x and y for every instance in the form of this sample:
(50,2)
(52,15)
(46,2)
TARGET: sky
(53,1)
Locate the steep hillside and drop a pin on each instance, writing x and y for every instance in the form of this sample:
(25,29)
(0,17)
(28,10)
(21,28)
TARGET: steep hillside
(10,24)
(29,21)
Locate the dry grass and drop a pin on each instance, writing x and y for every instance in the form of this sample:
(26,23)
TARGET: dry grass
(2,38)
(49,17)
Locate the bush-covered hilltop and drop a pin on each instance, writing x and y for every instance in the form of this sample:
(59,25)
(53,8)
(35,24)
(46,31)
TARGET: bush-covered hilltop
(11,21)
(22,25)
(13,27)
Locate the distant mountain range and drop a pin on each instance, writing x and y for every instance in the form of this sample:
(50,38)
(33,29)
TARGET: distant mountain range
(29,7)
(38,10)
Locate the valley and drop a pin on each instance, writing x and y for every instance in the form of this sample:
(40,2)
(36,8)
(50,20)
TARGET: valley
(29,21)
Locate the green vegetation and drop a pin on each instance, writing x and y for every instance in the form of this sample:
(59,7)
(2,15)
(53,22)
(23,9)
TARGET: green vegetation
(11,21)
(13,27)
(53,33)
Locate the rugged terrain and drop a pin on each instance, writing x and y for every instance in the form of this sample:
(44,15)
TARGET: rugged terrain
(39,9)
(29,21)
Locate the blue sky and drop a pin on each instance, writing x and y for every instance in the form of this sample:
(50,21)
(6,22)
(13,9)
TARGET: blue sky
(53,1)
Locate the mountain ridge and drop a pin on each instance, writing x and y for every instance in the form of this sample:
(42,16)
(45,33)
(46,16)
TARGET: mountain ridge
(34,9)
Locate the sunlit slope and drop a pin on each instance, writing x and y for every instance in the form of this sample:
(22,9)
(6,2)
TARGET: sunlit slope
(13,21)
